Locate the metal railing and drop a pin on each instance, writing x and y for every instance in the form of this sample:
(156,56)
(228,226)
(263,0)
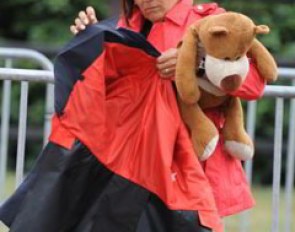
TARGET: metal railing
(280,93)
(10,55)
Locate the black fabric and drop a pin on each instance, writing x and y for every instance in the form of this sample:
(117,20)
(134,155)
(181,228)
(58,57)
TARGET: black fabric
(69,63)
(110,22)
(146,28)
(83,49)
(157,218)
(70,191)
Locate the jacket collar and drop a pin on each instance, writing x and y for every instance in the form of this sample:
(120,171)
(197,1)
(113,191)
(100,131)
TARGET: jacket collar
(178,13)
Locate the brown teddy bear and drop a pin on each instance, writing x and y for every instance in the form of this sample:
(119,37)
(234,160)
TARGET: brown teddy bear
(228,40)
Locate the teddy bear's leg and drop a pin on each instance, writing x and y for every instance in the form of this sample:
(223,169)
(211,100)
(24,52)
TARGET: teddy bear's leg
(237,142)
(204,134)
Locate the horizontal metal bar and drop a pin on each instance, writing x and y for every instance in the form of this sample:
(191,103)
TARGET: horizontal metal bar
(48,76)
(26,75)
(27,54)
(47,64)
(279,91)
(287,73)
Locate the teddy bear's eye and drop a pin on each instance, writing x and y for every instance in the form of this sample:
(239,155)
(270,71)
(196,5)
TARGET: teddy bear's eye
(238,58)
(227,58)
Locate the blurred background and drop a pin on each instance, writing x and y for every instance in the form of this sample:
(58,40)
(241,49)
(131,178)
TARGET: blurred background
(43,25)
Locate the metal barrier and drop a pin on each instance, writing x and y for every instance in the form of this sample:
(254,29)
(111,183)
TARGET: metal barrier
(278,92)
(10,55)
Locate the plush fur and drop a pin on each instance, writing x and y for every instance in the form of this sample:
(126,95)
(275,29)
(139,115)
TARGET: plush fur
(229,40)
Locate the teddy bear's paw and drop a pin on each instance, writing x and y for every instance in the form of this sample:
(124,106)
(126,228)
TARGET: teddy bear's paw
(239,150)
(210,148)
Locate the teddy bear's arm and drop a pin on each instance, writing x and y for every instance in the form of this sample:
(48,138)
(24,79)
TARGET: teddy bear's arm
(265,62)
(185,77)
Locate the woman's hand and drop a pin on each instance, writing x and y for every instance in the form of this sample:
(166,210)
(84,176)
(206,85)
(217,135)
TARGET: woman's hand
(84,18)
(166,63)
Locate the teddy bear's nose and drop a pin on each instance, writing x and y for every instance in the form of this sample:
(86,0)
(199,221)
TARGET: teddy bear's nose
(231,83)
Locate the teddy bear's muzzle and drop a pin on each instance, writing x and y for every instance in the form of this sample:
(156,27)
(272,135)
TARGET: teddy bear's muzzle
(231,83)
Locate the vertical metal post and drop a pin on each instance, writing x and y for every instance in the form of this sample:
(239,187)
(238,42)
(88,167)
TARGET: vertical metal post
(49,110)
(251,122)
(5,130)
(49,107)
(21,142)
(290,167)
(277,164)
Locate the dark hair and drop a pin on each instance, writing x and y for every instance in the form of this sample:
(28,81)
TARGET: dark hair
(127,6)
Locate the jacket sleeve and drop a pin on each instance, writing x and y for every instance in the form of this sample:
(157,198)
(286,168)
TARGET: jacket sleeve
(253,87)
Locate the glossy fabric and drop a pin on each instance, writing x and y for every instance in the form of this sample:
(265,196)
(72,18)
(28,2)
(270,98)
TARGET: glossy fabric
(70,191)
(128,117)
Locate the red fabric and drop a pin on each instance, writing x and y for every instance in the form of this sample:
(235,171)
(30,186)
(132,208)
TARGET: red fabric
(61,135)
(226,175)
(130,121)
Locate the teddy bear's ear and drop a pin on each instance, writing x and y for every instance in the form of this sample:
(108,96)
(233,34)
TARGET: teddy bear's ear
(218,30)
(261,29)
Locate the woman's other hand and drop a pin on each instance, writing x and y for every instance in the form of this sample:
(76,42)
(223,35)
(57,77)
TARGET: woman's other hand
(84,18)
(166,63)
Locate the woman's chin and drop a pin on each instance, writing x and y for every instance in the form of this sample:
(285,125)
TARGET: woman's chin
(155,17)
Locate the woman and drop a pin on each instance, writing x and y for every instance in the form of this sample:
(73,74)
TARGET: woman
(119,156)
(225,173)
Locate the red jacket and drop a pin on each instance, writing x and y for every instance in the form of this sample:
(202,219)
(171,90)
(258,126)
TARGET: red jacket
(226,175)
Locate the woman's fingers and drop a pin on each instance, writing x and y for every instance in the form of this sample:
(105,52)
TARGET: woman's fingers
(84,19)
(167,55)
(167,68)
(73,29)
(79,24)
(167,73)
(166,63)
(169,63)
(91,14)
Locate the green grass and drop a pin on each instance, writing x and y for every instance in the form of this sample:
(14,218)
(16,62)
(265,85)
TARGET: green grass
(10,185)
(260,216)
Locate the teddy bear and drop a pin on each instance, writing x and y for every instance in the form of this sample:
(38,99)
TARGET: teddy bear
(229,41)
